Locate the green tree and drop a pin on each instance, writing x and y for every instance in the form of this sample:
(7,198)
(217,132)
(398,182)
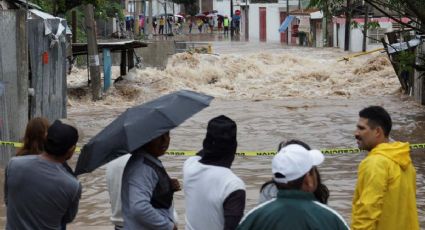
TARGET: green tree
(60,7)
(412,9)
(190,6)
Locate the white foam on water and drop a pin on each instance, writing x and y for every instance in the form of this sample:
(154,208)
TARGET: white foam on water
(261,75)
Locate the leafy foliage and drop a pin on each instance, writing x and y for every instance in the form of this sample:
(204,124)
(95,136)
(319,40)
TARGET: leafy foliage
(370,25)
(412,9)
(190,6)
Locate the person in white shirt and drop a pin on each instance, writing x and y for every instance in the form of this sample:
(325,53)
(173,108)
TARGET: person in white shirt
(214,195)
(114,171)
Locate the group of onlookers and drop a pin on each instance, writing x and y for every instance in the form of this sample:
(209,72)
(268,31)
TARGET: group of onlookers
(42,193)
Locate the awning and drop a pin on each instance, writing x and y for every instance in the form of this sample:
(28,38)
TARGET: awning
(286,23)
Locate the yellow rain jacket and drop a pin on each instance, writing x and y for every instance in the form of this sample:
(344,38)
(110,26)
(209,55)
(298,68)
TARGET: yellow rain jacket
(385,196)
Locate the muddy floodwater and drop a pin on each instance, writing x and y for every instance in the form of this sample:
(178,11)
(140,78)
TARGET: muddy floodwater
(274,93)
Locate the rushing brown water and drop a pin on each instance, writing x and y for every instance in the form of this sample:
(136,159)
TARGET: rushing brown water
(273,95)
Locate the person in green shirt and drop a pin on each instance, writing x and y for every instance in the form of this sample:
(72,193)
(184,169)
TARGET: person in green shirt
(226,23)
(295,207)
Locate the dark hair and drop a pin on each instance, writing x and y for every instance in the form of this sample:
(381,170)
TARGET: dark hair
(35,136)
(293,142)
(377,116)
(321,193)
(60,138)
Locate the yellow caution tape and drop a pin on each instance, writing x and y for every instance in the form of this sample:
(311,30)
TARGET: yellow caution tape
(347,58)
(11,144)
(239,153)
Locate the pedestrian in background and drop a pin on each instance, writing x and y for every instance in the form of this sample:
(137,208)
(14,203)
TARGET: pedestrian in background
(226,23)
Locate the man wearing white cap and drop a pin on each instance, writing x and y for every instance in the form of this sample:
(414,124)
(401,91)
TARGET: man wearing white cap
(295,206)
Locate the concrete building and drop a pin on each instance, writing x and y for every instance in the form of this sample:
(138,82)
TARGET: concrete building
(141,7)
(265,19)
(356,34)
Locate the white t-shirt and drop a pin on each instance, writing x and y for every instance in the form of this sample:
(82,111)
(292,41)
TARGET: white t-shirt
(205,188)
(114,171)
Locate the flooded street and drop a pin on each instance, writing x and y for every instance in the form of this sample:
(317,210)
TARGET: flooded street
(273,93)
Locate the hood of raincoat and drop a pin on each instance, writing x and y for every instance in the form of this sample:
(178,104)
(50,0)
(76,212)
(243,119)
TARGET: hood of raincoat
(385,194)
(396,151)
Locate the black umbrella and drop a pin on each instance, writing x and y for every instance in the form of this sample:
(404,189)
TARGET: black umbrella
(139,125)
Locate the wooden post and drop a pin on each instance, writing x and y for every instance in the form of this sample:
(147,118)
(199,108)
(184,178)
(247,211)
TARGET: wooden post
(74,26)
(130,56)
(93,54)
(419,83)
(347,26)
(395,67)
(123,65)
(135,19)
(366,17)
(148,26)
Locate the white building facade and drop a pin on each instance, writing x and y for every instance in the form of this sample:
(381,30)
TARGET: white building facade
(356,34)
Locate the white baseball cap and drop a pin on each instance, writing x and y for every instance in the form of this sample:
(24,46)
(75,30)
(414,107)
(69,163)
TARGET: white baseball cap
(294,161)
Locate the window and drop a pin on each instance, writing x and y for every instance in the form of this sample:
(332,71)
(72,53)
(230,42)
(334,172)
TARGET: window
(376,35)
(130,7)
(396,26)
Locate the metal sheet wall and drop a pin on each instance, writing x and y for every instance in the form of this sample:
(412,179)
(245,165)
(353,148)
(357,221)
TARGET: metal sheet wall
(14,80)
(48,79)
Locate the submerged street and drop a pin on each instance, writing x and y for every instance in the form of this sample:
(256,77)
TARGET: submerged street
(274,93)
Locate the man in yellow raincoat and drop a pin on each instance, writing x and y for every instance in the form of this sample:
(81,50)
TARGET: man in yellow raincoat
(385,195)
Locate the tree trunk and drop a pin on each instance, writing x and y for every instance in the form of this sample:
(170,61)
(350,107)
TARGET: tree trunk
(419,82)
(93,54)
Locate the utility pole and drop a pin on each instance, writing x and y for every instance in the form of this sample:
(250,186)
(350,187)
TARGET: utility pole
(166,17)
(149,25)
(93,53)
(246,21)
(366,17)
(287,15)
(347,26)
(231,21)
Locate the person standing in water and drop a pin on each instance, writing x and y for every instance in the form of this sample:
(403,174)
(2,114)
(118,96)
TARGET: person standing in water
(295,207)
(35,136)
(269,189)
(385,195)
(214,195)
(147,190)
(39,191)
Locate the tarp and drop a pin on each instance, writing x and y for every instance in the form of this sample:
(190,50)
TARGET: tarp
(286,23)
(397,47)
(50,24)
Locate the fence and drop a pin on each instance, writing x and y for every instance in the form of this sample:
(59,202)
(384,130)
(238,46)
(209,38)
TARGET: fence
(48,70)
(47,75)
(13,79)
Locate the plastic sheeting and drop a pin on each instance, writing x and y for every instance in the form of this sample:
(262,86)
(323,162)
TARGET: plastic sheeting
(284,26)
